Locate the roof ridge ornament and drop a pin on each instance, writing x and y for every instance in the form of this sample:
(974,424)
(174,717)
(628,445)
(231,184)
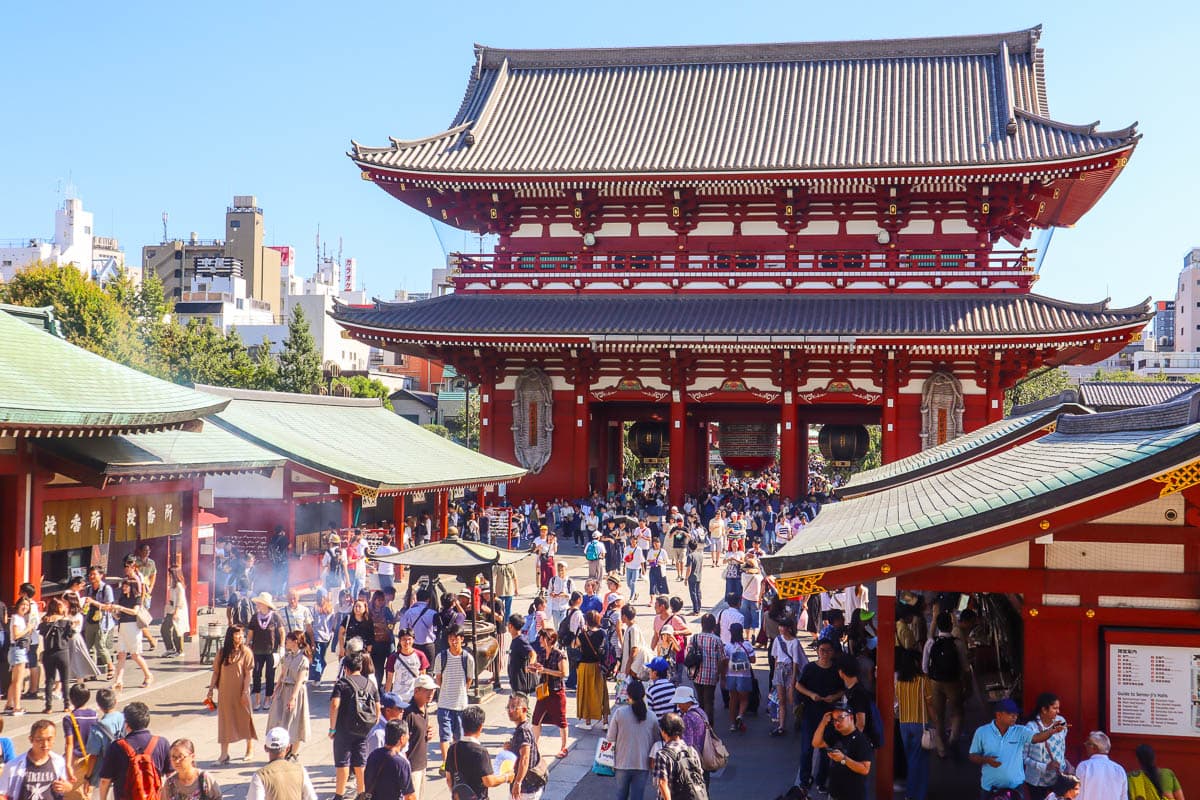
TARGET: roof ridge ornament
(1183,410)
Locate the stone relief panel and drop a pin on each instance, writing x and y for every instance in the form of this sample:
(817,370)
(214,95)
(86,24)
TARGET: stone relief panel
(941,409)
(533,419)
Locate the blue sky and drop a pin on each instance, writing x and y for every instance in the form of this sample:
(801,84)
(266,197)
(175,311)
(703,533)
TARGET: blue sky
(158,106)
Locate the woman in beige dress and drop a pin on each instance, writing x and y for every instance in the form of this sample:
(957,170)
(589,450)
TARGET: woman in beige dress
(231,680)
(289,707)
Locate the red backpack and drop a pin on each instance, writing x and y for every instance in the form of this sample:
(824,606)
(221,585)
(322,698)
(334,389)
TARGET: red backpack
(142,781)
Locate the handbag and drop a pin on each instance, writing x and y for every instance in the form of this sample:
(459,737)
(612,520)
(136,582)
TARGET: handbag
(928,739)
(605,760)
(543,691)
(81,787)
(714,755)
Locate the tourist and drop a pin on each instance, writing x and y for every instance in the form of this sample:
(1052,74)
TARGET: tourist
(346,728)
(591,696)
(633,731)
(1066,787)
(594,554)
(535,620)
(849,754)
(77,726)
(592,601)
(404,666)
(231,677)
(289,708)
(138,740)
(731,615)
(416,717)
(187,781)
(176,622)
(660,691)
(751,595)
(419,619)
(108,728)
(614,545)
(20,632)
(129,642)
(633,645)
(386,570)
(706,674)
(716,537)
(551,707)
(324,627)
(453,670)
(1100,778)
(1152,776)
(613,595)
(334,574)
(788,656)
(694,566)
(390,708)
(655,558)
(468,763)
(521,656)
(734,560)
(820,686)
(388,774)
(573,627)
(695,722)
(97,596)
(560,589)
(356,625)
(280,779)
(678,536)
(670,634)
(737,671)
(39,772)
(296,617)
(379,644)
(149,573)
(265,637)
(1046,761)
(7,751)
(945,662)
(858,699)
(56,633)
(678,774)
(633,559)
(528,783)
(912,703)
(999,747)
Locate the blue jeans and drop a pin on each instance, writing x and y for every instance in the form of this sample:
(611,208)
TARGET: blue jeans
(631,579)
(808,727)
(694,591)
(387,581)
(917,783)
(317,668)
(450,727)
(631,784)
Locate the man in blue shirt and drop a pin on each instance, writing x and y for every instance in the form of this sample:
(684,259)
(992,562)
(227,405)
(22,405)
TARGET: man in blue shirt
(999,748)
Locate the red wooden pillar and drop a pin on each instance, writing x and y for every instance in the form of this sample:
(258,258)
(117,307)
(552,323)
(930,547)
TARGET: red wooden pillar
(398,510)
(191,553)
(885,687)
(889,437)
(789,448)
(995,394)
(444,512)
(480,498)
(602,438)
(678,460)
(802,456)
(580,439)
(347,510)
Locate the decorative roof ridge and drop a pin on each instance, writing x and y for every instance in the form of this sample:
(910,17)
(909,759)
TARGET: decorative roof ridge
(258,395)
(1019,42)
(1086,129)
(1183,410)
(1103,305)
(39,316)
(1060,399)
(358,150)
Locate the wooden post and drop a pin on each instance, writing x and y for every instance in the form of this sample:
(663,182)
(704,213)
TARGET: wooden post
(444,512)
(678,462)
(789,449)
(802,457)
(889,435)
(995,395)
(579,454)
(885,687)
(347,510)
(398,510)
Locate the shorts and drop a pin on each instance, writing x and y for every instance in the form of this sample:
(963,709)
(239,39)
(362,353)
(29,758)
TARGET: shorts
(450,727)
(738,683)
(714,545)
(551,711)
(349,751)
(679,553)
(18,656)
(129,638)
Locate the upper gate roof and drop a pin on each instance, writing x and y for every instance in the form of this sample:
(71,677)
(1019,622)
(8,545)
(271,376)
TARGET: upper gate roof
(960,101)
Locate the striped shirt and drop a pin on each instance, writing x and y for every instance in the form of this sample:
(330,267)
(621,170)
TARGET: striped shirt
(660,696)
(911,697)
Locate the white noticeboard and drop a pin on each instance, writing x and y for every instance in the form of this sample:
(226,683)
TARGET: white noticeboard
(1154,690)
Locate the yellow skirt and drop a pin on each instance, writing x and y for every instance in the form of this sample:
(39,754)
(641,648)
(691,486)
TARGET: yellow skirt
(591,696)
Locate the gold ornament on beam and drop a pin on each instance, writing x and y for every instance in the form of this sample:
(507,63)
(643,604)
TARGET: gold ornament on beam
(799,585)
(369,496)
(1178,479)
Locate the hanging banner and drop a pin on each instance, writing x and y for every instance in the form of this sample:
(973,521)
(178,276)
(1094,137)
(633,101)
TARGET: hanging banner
(68,524)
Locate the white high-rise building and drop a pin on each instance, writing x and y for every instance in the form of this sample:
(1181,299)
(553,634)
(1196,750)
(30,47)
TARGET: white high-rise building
(1187,304)
(72,244)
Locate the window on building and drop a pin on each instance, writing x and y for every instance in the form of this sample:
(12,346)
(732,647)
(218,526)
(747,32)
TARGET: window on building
(151,253)
(235,223)
(87,229)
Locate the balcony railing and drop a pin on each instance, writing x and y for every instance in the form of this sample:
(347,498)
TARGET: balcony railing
(893,269)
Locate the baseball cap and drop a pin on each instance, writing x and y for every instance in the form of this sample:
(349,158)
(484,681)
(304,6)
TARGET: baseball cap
(684,694)
(277,739)
(660,665)
(596,534)
(390,700)
(612,597)
(1007,706)
(425,682)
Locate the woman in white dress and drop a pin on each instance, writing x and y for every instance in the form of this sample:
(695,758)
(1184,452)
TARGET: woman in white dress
(80,665)
(175,622)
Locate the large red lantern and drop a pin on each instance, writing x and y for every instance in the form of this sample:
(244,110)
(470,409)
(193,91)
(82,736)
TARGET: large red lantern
(748,446)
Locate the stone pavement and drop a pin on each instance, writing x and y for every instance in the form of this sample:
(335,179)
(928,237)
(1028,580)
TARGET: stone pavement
(176,712)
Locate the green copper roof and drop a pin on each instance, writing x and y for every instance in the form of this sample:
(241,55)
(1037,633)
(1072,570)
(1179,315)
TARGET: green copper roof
(356,440)
(49,387)
(1019,483)
(211,450)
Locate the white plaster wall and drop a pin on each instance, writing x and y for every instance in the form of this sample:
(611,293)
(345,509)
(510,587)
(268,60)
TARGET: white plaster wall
(654,229)
(919,226)
(1014,557)
(528,230)
(261,487)
(760,228)
(821,227)
(956,226)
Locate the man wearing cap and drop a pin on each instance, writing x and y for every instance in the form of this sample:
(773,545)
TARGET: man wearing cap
(390,708)
(388,775)
(416,716)
(280,779)
(999,748)
(594,554)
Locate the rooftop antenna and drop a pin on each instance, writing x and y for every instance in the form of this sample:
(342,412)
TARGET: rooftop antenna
(339,258)
(165,216)
(318,265)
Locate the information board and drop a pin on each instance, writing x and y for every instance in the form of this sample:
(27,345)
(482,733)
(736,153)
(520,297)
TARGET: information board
(1153,690)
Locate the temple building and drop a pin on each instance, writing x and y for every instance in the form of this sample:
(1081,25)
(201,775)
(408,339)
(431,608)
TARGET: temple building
(761,236)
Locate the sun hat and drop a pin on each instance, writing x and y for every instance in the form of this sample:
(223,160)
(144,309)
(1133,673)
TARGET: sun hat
(277,739)
(612,597)
(335,539)
(596,534)
(684,694)
(264,599)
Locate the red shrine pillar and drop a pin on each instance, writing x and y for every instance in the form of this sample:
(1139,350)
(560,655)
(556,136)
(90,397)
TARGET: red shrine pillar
(487,395)
(398,513)
(995,395)
(581,437)
(190,568)
(677,467)
(889,436)
(802,457)
(885,687)
(789,448)
(443,510)
(347,510)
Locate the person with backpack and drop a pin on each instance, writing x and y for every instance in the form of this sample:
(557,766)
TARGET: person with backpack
(945,662)
(737,671)
(421,619)
(559,590)
(105,731)
(594,555)
(569,631)
(353,712)
(135,763)
(859,701)
(231,677)
(454,671)
(634,731)
(677,771)
(38,773)
(56,631)
(335,574)
(468,766)
(820,686)
(282,778)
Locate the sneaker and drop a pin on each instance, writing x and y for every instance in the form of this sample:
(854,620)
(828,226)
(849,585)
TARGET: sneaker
(587,726)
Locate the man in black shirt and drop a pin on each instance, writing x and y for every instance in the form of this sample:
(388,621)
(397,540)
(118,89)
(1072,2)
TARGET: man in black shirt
(416,716)
(467,760)
(820,686)
(858,699)
(524,744)
(849,753)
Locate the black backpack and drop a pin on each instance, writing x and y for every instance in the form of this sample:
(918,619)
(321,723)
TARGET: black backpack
(566,636)
(688,781)
(54,639)
(365,713)
(944,663)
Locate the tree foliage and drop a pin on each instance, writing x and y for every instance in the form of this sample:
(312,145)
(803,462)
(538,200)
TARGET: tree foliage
(464,426)
(362,386)
(1037,386)
(299,361)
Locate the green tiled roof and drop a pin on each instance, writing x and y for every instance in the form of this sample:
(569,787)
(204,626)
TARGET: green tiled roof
(356,440)
(211,450)
(971,445)
(1025,481)
(50,387)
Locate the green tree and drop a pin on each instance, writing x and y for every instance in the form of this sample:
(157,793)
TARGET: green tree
(201,353)
(90,317)
(362,386)
(1037,386)
(464,426)
(440,430)
(266,366)
(299,362)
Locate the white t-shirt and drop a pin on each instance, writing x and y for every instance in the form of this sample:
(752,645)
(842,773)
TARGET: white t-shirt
(638,559)
(564,587)
(744,647)
(385,567)
(726,619)
(453,694)
(643,538)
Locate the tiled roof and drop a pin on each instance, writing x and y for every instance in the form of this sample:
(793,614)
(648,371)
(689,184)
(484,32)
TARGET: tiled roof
(211,450)
(786,317)
(952,101)
(973,445)
(427,399)
(1016,484)
(49,387)
(1108,395)
(357,441)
